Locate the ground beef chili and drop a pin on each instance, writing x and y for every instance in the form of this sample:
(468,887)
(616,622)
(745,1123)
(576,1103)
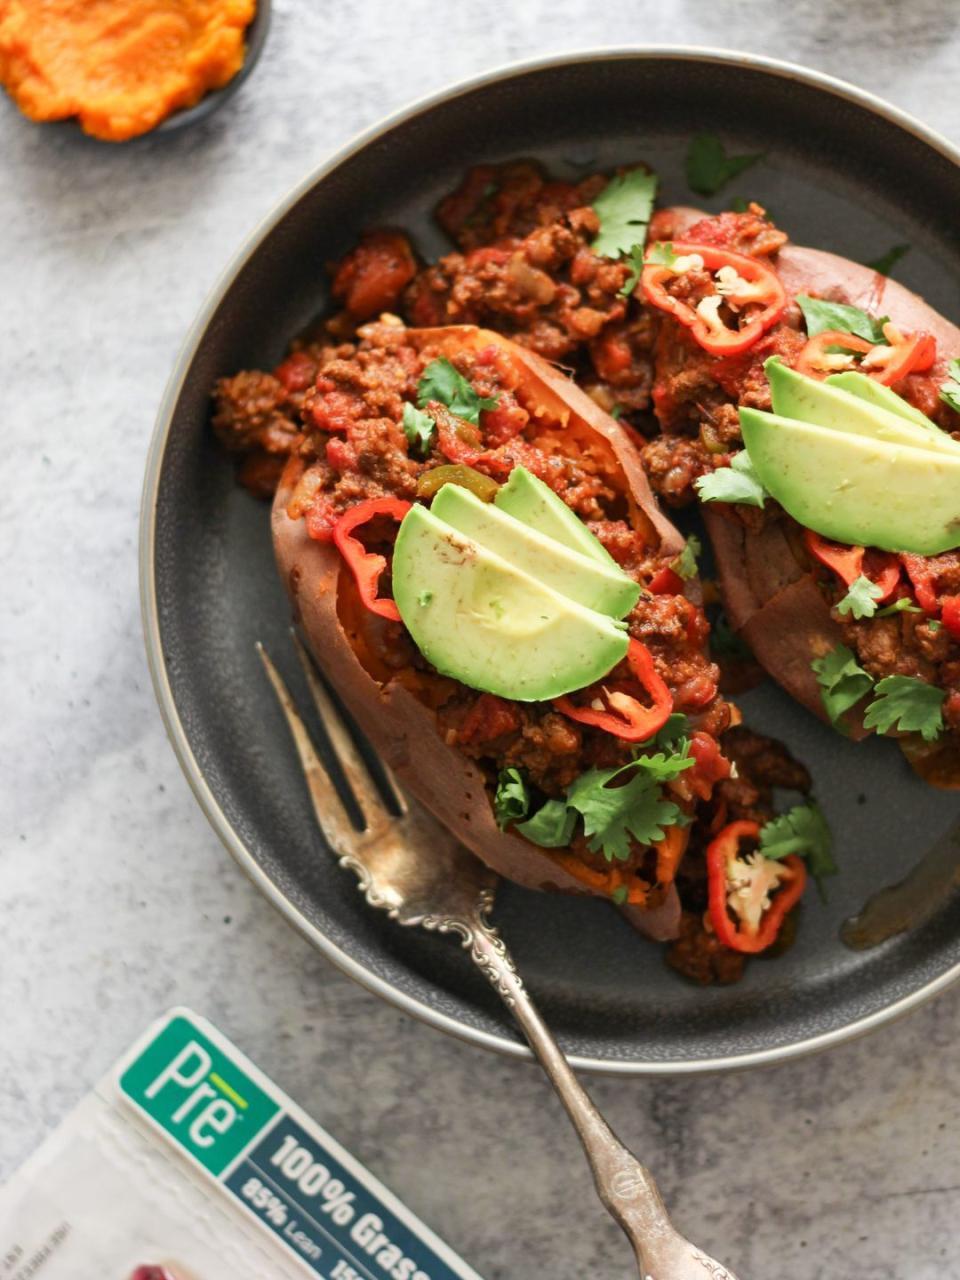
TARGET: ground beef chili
(524,267)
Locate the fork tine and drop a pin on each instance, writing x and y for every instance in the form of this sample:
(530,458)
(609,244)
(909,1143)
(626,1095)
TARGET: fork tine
(344,747)
(329,810)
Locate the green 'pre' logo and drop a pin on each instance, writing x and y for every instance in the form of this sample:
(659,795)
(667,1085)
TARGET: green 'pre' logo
(197,1094)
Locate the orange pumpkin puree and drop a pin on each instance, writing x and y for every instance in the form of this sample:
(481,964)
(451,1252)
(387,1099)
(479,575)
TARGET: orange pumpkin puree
(120,66)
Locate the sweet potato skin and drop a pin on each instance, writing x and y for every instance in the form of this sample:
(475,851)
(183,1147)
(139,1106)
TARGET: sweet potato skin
(400,727)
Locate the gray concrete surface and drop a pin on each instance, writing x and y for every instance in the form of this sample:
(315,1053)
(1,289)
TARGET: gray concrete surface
(116,900)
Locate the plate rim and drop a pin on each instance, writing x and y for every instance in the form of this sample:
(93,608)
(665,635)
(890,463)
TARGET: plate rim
(149,611)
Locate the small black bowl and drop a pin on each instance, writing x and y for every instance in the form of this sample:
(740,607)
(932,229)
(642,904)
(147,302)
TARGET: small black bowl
(256,38)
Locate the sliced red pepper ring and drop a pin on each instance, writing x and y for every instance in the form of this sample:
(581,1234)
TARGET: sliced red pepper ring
(739,282)
(850,563)
(367,566)
(816,361)
(911,353)
(749,897)
(885,362)
(619,712)
(950,615)
(923,580)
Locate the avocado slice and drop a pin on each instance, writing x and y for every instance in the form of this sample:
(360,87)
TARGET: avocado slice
(482,621)
(796,396)
(875,393)
(593,584)
(534,503)
(855,488)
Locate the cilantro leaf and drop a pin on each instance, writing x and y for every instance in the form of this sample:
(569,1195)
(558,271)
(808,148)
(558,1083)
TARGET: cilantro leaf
(861,598)
(908,704)
(673,728)
(903,605)
(636,266)
(737,483)
(685,564)
(950,390)
(934,624)
(441,381)
(613,817)
(551,826)
(419,428)
(624,207)
(709,168)
(620,895)
(887,261)
(512,799)
(616,412)
(820,315)
(661,254)
(842,681)
(802,830)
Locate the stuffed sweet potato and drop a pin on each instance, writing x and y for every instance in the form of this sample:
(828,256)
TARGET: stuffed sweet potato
(830,620)
(451,745)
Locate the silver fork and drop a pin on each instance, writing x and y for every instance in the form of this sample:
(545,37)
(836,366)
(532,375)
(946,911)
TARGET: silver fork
(414,869)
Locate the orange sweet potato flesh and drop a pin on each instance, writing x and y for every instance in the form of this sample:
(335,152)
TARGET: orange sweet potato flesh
(399,724)
(768,591)
(119,66)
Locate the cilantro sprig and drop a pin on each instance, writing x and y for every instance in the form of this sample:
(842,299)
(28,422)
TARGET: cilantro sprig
(908,704)
(842,681)
(618,806)
(737,483)
(511,801)
(624,207)
(551,826)
(821,314)
(636,268)
(685,565)
(441,381)
(419,428)
(708,166)
(861,598)
(950,390)
(903,605)
(802,830)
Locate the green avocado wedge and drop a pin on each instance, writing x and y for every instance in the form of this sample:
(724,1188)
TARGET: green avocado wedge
(875,393)
(854,488)
(825,404)
(477,618)
(534,503)
(589,582)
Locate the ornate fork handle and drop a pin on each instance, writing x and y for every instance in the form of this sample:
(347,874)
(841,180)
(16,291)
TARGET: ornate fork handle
(421,875)
(625,1186)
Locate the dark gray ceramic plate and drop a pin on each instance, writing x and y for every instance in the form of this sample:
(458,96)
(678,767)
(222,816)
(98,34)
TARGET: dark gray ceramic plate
(842,171)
